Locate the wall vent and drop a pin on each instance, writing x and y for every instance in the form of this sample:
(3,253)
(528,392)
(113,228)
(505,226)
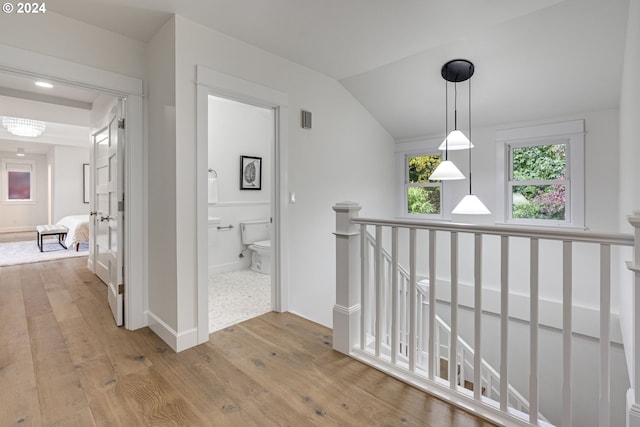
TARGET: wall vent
(306,119)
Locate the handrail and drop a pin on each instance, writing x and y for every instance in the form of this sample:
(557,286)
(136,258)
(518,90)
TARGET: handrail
(620,239)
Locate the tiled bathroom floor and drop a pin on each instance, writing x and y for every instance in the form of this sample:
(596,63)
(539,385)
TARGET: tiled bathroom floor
(237,296)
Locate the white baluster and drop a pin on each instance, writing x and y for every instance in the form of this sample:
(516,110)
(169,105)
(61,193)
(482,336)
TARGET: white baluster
(364,268)
(433,360)
(453,340)
(504,322)
(567,304)
(378,285)
(412,299)
(605,325)
(394,295)
(533,331)
(477,337)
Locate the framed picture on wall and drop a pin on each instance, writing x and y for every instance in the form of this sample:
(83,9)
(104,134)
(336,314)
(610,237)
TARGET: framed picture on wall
(85,183)
(250,173)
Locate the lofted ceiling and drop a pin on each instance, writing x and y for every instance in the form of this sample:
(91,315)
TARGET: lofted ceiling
(534,59)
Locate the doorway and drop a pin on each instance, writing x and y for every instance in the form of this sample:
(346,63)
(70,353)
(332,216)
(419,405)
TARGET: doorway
(76,75)
(241,140)
(210,82)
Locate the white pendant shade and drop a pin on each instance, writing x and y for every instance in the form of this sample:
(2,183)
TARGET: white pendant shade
(471,205)
(456,140)
(446,170)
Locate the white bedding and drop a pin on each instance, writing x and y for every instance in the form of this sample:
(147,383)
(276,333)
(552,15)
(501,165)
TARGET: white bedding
(78,226)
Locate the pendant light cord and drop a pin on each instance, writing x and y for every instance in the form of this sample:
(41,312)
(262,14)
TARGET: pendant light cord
(455,106)
(446,121)
(470,137)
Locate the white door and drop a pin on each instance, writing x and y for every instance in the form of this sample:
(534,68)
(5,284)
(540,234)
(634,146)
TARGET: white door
(107,215)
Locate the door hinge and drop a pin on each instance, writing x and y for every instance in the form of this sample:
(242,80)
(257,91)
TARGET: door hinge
(121,289)
(121,124)
(121,206)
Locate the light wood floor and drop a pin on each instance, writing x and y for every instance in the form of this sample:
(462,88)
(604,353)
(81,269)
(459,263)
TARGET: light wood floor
(63,363)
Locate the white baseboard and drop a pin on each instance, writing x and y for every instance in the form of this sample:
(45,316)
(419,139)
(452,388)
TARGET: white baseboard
(178,341)
(232,266)
(18,229)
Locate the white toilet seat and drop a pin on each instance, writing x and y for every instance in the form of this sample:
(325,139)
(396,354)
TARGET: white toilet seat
(264,245)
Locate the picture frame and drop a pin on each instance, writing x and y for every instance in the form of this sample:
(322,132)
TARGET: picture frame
(250,173)
(86,190)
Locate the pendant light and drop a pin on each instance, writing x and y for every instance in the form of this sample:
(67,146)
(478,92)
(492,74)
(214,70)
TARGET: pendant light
(446,170)
(457,70)
(470,204)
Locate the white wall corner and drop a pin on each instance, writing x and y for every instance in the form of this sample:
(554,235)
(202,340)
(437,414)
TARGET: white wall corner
(178,341)
(161,329)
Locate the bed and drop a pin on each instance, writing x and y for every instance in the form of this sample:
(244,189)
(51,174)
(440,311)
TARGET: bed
(78,226)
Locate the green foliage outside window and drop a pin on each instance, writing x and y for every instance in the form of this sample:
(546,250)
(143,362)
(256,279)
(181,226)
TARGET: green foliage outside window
(423,199)
(421,167)
(542,162)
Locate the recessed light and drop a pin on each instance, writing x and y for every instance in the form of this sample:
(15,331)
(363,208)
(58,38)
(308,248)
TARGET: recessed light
(44,84)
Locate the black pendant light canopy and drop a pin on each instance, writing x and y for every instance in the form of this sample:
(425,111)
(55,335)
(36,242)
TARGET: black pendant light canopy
(457,70)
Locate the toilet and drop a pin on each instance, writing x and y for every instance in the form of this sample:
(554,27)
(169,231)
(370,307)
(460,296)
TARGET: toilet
(256,235)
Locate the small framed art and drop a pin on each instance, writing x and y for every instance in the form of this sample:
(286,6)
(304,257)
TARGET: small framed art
(250,173)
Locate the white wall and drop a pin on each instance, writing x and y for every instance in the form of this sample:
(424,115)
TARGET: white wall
(629,157)
(25,217)
(67,181)
(61,37)
(345,156)
(162,148)
(237,129)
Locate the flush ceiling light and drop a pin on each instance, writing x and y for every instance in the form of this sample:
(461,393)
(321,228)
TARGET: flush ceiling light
(46,85)
(446,170)
(456,71)
(23,127)
(460,70)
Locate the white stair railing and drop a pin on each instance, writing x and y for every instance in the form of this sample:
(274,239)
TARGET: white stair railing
(380,316)
(489,378)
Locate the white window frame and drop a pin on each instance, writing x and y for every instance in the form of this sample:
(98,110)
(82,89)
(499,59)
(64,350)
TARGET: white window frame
(5,181)
(571,134)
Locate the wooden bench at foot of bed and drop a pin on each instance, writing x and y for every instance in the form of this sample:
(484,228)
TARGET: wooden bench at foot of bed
(51,230)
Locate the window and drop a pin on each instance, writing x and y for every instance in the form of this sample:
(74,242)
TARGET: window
(18,181)
(543,179)
(538,184)
(423,196)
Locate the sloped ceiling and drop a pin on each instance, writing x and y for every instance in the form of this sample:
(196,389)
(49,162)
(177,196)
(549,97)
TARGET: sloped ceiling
(534,59)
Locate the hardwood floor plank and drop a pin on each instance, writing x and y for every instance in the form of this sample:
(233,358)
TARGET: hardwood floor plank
(69,365)
(82,418)
(156,400)
(18,392)
(59,389)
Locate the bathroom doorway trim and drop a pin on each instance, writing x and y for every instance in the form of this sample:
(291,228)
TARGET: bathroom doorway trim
(211,82)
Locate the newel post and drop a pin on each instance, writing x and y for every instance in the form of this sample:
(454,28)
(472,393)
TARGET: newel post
(633,399)
(346,311)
